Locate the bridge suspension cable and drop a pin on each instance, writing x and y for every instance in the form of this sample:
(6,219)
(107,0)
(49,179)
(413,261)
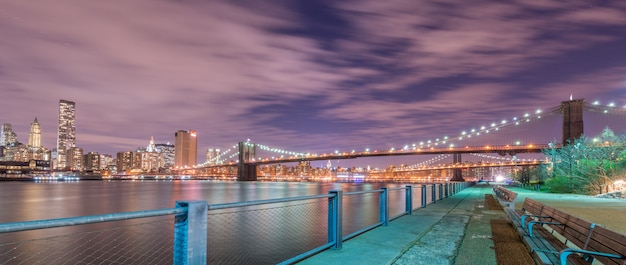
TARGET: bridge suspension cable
(223,157)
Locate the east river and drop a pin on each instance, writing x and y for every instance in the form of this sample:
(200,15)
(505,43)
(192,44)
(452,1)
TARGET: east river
(259,235)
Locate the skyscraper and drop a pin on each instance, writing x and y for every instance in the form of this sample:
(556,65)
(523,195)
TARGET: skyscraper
(213,156)
(66,137)
(186,148)
(8,138)
(168,150)
(34,137)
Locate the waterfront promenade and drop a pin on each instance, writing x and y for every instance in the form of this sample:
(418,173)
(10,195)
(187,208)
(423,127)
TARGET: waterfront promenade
(455,230)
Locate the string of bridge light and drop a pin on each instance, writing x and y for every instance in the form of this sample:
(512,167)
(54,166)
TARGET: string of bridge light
(596,105)
(430,161)
(502,158)
(493,127)
(467,134)
(280,151)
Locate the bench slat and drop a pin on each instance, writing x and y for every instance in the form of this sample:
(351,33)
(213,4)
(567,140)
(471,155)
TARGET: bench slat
(549,235)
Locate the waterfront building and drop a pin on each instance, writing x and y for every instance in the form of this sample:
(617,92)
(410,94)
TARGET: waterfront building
(213,156)
(125,160)
(106,161)
(34,136)
(186,149)
(304,168)
(66,136)
(17,152)
(149,161)
(8,137)
(92,161)
(74,157)
(168,150)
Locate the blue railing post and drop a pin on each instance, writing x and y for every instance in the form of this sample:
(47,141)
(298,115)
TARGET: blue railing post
(384,207)
(190,233)
(335,219)
(423,196)
(447,190)
(409,200)
(440,191)
(434,193)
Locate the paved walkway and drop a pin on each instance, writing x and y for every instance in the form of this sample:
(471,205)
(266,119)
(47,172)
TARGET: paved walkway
(455,230)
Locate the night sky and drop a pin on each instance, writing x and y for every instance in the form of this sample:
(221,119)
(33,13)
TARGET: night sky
(309,76)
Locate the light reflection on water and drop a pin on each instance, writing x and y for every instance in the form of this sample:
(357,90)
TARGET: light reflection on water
(250,230)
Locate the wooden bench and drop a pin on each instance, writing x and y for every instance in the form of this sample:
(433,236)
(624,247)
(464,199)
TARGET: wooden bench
(555,237)
(505,196)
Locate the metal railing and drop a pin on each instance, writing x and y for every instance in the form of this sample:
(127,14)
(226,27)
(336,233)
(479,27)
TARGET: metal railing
(201,229)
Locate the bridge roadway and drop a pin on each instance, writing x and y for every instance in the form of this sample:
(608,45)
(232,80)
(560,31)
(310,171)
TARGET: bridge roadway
(455,230)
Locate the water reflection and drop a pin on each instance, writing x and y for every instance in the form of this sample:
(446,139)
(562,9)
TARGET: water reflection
(263,234)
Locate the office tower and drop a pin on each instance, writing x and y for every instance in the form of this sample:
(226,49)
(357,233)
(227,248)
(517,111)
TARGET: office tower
(75,159)
(186,149)
(34,137)
(8,137)
(66,137)
(168,150)
(92,161)
(125,160)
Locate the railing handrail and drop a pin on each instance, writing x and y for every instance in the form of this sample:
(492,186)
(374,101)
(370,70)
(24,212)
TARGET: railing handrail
(260,202)
(363,192)
(89,219)
(401,188)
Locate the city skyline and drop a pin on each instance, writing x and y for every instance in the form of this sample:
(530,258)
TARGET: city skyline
(304,76)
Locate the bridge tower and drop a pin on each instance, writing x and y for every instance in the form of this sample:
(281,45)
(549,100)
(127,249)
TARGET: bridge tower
(457,173)
(572,111)
(246,172)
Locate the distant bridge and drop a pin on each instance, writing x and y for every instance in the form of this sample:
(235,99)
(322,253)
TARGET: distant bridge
(572,128)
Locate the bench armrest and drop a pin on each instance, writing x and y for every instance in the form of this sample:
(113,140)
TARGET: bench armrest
(586,253)
(523,217)
(531,223)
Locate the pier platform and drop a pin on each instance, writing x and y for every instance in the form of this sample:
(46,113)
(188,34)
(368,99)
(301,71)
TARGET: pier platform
(455,230)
